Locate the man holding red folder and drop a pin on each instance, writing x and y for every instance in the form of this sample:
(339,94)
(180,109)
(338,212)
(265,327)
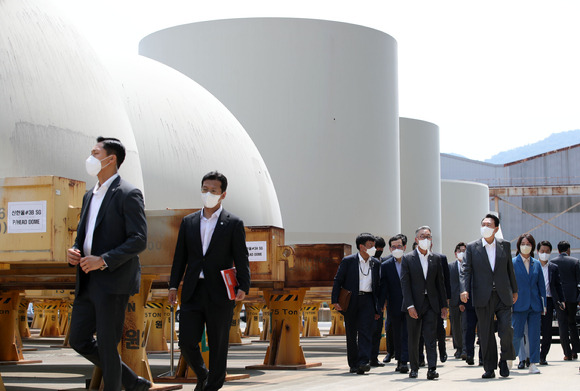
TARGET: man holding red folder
(209,241)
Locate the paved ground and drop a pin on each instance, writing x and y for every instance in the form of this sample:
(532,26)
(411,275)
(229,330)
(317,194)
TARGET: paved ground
(63,369)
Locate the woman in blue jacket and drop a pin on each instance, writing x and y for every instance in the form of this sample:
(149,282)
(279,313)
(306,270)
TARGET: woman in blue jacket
(531,298)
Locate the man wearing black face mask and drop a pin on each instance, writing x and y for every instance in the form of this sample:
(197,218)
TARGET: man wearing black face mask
(378,326)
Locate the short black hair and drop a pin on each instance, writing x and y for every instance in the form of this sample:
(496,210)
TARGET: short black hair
(363,238)
(544,243)
(380,242)
(397,237)
(218,176)
(563,246)
(530,239)
(459,245)
(493,217)
(113,146)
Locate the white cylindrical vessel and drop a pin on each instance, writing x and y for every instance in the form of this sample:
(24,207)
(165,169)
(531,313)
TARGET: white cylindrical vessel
(182,133)
(463,206)
(420,179)
(319,99)
(55,98)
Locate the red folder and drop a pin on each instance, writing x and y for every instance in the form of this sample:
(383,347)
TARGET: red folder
(229,276)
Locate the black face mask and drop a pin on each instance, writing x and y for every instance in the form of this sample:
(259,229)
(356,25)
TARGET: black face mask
(378,254)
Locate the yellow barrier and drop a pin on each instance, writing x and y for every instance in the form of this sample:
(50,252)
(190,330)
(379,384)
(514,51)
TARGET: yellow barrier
(311,320)
(337,324)
(252,319)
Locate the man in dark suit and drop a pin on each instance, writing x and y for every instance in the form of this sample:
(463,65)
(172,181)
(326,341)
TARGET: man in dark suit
(209,241)
(392,296)
(456,306)
(424,299)
(359,274)
(112,231)
(569,268)
(378,326)
(554,295)
(487,273)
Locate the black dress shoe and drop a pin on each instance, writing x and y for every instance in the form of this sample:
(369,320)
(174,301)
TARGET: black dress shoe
(432,374)
(469,360)
(504,371)
(464,356)
(377,364)
(365,367)
(403,368)
(488,375)
(574,356)
(522,365)
(141,384)
(353,370)
(443,357)
(543,361)
(413,374)
(387,358)
(527,362)
(457,354)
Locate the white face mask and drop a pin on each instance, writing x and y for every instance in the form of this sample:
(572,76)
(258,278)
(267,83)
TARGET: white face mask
(93,165)
(460,256)
(397,253)
(487,232)
(525,249)
(210,200)
(544,256)
(371,251)
(425,244)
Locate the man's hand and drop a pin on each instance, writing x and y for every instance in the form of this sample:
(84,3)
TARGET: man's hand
(515,296)
(464,296)
(461,308)
(444,313)
(337,307)
(413,313)
(90,263)
(73,256)
(241,295)
(172,296)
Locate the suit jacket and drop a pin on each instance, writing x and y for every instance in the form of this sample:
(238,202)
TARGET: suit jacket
(531,287)
(555,283)
(569,268)
(391,291)
(455,291)
(227,248)
(120,234)
(414,284)
(347,277)
(445,268)
(477,277)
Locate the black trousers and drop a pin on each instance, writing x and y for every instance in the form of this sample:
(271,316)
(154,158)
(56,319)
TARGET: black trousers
(546,330)
(400,336)
(568,330)
(455,316)
(376,339)
(425,325)
(195,316)
(358,323)
(95,311)
(487,331)
(469,322)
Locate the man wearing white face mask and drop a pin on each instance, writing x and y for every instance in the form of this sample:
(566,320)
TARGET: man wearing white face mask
(487,273)
(424,299)
(209,241)
(456,307)
(359,274)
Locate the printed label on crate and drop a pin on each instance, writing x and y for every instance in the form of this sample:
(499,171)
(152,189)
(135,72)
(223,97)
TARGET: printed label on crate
(257,251)
(26,217)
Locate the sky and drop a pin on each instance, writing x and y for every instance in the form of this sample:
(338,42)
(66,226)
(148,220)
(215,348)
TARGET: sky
(493,75)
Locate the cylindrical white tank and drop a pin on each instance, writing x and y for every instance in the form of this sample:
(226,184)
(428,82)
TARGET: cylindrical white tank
(55,98)
(463,205)
(420,179)
(183,132)
(319,100)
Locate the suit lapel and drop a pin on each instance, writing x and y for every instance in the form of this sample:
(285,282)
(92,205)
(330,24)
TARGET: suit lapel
(220,227)
(111,191)
(195,226)
(483,254)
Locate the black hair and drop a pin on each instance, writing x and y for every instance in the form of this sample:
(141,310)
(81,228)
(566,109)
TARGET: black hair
(364,238)
(218,176)
(380,242)
(530,239)
(544,243)
(563,246)
(459,245)
(113,146)
(397,237)
(493,217)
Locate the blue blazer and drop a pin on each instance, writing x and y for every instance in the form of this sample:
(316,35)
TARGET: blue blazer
(347,277)
(531,287)
(391,291)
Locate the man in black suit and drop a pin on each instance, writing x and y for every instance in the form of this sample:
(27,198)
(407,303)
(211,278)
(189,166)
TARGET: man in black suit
(554,295)
(209,241)
(456,306)
(424,299)
(487,273)
(392,296)
(378,326)
(112,231)
(569,268)
(359,274)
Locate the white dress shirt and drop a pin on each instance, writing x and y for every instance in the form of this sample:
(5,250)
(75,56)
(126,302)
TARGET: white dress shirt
(490,249)
(365,278)
(206,228)
(94,207)
(424,261)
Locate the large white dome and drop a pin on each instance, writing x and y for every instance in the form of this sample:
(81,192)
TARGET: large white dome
(55,98)
(183,132)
